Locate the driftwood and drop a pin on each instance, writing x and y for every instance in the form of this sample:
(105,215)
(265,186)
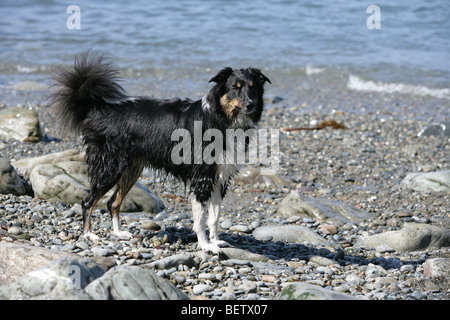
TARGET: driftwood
(331,123)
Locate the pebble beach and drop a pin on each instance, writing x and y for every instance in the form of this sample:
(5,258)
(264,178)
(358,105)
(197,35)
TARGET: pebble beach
(361,165)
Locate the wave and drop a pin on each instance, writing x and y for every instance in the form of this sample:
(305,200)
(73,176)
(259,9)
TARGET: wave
(356,83)
(312,70)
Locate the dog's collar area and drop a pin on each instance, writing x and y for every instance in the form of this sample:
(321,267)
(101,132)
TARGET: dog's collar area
(205,104)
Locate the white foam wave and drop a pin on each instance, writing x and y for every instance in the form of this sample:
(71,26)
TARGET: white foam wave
(356,83)
(312,70)
(24,69)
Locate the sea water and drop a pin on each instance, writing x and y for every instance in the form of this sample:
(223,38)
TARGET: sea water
(172,48)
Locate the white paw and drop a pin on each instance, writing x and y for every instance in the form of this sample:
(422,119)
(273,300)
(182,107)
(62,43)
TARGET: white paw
(209,247)
(123,234)
(91,236)
(220,243)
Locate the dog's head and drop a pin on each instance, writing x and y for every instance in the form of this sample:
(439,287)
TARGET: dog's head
(240,93)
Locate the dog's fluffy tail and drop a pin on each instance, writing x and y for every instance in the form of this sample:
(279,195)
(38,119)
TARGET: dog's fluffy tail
(90,83)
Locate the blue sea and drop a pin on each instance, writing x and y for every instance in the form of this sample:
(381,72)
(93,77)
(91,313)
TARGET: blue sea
(172,48)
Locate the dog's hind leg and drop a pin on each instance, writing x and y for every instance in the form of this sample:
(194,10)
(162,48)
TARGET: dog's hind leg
(104,174)
(88,205)
(125,183)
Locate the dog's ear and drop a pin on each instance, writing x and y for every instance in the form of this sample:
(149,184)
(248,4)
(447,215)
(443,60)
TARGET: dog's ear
(222,76)
(259,76)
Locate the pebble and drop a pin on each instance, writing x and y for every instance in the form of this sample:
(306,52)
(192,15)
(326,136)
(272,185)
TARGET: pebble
(201,288)
(322,261)
(269,278)
(14,231)
(240,228)
(227,224)
(248,287)
(149,225)
(101,252)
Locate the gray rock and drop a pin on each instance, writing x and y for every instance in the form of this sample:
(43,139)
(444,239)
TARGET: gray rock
(148,224)
(241,254)
(248,287)
(306,291)
(26,165)
(290,233)
(68,278)
(250,176)
(132,283)
(67,181)
(270,268)
(17,260)
(102,252)
(61,279)
(412,237)
(15,231)
(437,267)
(437,129)
(322,261)
(175,261)
(10,181)
(200,288)
(240,228)
(437,181)
(20,124)
(227,224)
(320,209)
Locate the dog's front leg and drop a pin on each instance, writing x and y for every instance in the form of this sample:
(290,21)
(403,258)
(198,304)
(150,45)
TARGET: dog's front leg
(199,212)
(213,218)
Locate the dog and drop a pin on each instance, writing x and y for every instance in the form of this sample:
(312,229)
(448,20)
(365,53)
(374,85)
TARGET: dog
(123,134)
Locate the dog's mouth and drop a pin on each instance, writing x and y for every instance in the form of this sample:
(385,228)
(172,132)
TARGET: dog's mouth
(233,107)
(247,111)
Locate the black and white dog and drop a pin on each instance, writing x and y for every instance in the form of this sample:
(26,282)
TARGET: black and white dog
(123,134)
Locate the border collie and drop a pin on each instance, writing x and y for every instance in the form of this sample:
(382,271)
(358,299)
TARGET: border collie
(123,134)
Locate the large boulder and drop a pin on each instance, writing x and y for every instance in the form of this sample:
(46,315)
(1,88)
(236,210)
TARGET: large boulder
(17,259)
(61,279)
(441,129)
(10,181)
(132,283)
(68,182)
(412,237)
(83,279)
(437,181)
(290,233)
(26,165)
(20,123)
(321,209)
(63,176)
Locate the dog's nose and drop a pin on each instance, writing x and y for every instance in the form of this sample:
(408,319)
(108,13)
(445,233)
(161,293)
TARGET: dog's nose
(250,105)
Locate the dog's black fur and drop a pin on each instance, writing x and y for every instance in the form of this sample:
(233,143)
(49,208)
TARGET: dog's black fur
(124,134)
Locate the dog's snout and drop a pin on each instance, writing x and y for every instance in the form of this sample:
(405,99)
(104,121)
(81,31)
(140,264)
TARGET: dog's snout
(250,105)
